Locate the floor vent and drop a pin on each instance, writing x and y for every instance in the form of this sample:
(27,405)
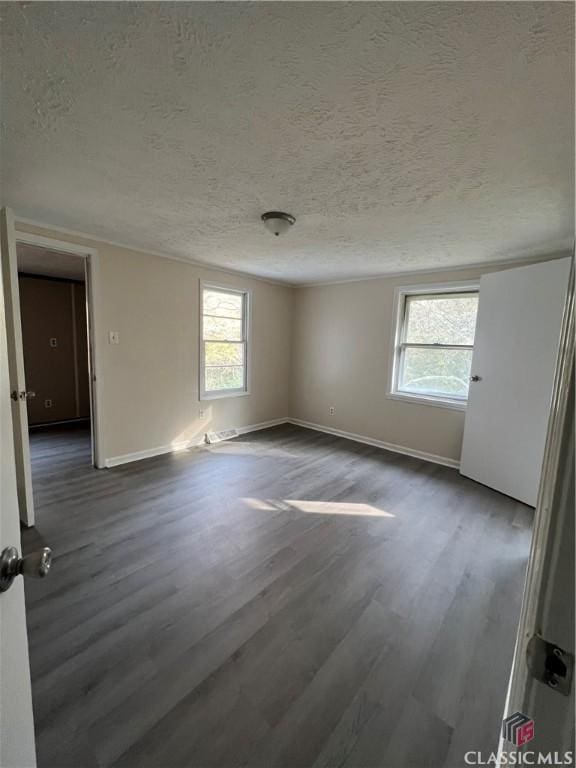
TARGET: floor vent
(217,437)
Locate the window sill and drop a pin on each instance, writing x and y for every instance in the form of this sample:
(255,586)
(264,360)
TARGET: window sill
(223,394)
(455,405)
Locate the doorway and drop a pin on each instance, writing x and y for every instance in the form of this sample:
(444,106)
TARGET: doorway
(54,319)
(56,283)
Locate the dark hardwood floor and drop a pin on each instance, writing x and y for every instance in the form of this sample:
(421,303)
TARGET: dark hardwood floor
(284,599)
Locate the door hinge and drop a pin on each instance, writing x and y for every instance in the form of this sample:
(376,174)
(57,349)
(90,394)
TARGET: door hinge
(550,664)
(15,395)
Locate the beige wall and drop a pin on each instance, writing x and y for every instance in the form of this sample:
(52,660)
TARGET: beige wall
(310,348)
(342,336)
(148,384)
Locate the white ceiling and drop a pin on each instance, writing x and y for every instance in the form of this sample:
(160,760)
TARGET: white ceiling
(402,136)
(35,260)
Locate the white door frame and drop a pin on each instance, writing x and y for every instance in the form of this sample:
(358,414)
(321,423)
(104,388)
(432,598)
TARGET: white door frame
(543,577)
(16,369)
(92,271)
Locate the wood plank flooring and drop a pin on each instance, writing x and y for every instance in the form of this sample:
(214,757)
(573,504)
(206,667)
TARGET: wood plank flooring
(285,599)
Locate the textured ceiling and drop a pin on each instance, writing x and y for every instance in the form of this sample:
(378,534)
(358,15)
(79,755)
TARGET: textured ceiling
(35,260)
(402,136)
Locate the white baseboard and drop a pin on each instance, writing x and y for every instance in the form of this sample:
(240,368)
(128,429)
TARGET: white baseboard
(126,458)
(196,442)
(262,425)
(378,443)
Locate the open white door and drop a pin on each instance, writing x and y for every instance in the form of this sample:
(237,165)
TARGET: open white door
(515,348)
(16,725)
(18,392)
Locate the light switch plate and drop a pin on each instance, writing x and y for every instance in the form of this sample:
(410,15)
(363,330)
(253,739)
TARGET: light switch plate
(113,337)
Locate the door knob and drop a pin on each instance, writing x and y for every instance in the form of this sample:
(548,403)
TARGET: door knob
(37,565)
(475,378)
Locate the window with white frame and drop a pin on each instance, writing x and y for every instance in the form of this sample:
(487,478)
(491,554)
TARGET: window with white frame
(434,342)
(223,342)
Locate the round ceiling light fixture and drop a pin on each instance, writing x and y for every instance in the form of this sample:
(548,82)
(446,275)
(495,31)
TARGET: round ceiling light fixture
(277,222)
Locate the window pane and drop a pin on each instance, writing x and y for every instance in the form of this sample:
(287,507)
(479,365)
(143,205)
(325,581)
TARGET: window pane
(222,304)
(231,377)
(441,320)
(222,328)
(436,371)
(217,353)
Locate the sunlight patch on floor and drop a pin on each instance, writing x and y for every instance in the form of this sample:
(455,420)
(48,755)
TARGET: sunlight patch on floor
(249,448)
(232,448)
(318,507)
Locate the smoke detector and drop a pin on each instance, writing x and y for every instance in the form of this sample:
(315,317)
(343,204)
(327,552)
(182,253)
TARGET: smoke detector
(277,222)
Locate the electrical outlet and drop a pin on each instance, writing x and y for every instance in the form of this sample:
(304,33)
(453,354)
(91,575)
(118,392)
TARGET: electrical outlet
(200,414)
(331,410)
(48,403)
(53,342)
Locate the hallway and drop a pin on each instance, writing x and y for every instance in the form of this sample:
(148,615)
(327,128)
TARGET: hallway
(60,450)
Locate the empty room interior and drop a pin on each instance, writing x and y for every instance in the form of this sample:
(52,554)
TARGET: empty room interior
(287,383)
